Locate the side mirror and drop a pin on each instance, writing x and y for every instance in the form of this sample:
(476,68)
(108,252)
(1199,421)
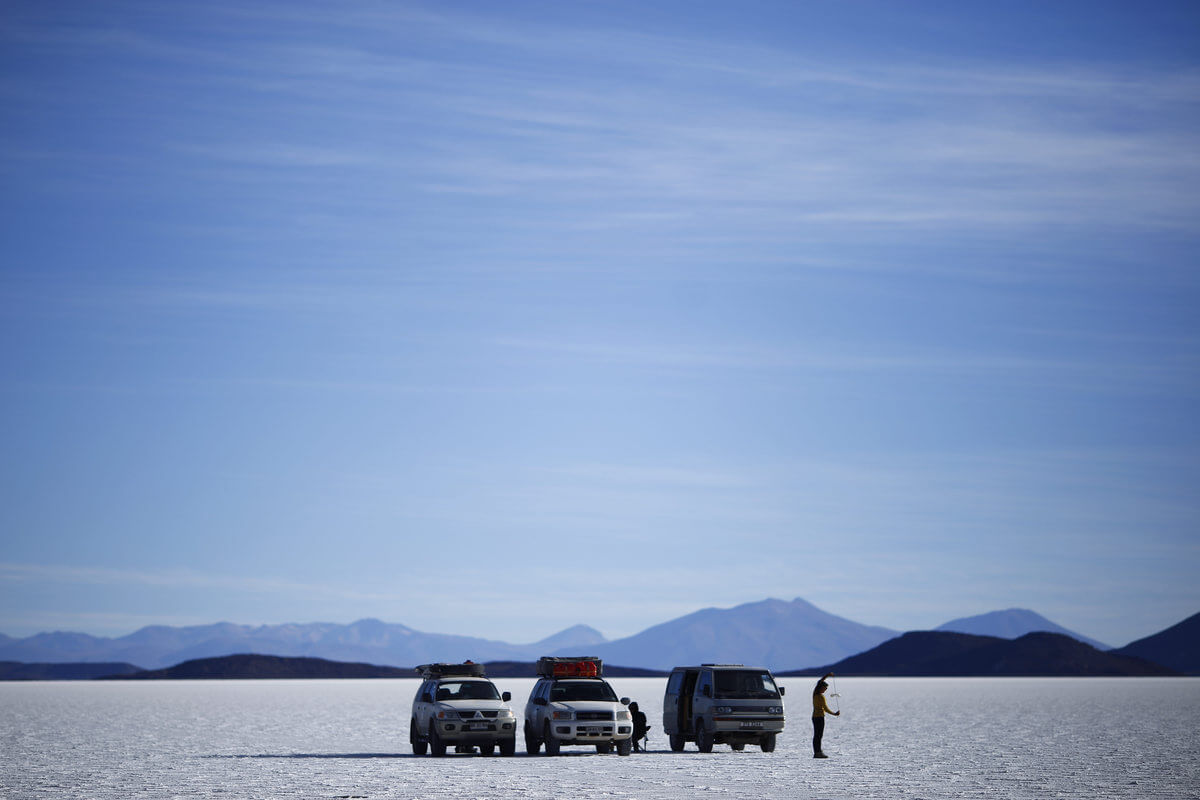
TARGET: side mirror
(782,691)
(625,701)
(506,696)
(427,698)
(539,701)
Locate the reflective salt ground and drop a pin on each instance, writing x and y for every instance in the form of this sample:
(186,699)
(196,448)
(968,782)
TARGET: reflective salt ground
(897,738)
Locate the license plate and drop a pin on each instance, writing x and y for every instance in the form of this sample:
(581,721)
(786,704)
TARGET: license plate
(592,729)
(479,726)
(752,724)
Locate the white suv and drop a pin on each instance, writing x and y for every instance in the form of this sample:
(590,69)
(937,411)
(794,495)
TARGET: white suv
(457,705)
(571,704)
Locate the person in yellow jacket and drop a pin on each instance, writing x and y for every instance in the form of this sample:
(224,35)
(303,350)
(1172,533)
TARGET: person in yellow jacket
(820,709)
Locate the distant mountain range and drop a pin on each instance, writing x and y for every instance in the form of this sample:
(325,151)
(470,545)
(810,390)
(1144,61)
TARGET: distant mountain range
(773,633)
(915,654)
(366,641)
(946,654)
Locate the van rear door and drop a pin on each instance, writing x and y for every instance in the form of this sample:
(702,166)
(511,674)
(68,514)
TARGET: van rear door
(684,720)
(671,702)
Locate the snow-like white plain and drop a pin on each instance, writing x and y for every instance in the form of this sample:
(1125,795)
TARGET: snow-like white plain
(897,738)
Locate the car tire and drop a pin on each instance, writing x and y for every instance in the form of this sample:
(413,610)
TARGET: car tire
(739,747)
(509,746)
(704,739)
(676,743)
(624,747)
(603,747)
(551,744)
(767,743)
(436,746)
(488,749)
(419,745)
(532,743)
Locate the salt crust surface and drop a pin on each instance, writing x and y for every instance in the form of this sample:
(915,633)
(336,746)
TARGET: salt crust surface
(897,738)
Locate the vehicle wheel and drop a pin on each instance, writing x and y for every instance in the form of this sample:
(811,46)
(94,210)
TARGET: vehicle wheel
(509,746)
(739,747)
(704,739)
(767,743)
(552,745)
(488,749)
(436,746)
(624,747)
(676,743)
(603,747)
(532,743)
(419,745)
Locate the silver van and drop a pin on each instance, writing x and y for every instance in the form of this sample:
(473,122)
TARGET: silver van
(722,704)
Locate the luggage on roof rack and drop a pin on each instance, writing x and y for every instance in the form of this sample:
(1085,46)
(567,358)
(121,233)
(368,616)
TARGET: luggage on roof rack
(569,667)
(468,669)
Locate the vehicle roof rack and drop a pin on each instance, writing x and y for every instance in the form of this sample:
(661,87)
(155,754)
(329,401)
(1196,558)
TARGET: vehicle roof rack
(570,667)
(722,665)
(467,669)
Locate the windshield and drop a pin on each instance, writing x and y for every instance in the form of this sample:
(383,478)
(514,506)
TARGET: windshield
(565,692)
(744,683)
(466,690)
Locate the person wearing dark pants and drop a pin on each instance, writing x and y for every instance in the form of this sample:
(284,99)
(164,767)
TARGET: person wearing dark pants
(820,709)
(639,727)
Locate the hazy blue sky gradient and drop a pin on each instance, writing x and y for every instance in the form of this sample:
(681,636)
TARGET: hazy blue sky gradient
(491,319)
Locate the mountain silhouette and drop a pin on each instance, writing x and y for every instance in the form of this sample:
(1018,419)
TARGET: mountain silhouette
(1177,647)
(771,633)
(947,654)
(250,665)
(1012,623)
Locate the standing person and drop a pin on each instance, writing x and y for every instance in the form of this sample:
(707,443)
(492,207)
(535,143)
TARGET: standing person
(639,726)
(820,709)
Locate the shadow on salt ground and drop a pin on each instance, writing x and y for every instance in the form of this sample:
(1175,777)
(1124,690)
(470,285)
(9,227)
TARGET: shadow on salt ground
(314,755)
(447,757)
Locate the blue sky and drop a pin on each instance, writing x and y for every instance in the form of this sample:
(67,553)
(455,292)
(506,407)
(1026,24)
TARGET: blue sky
(496,318)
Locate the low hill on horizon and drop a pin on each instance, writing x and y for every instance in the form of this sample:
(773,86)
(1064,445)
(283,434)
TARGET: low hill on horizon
(946,654)
(21,671)
(1177,647)
(254,666)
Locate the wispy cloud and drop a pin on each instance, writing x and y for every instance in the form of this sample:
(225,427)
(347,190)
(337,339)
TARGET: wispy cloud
(778,142)
(1082,372)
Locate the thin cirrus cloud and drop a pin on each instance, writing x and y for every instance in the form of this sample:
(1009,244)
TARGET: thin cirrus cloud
(796,149)
(1083,373)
